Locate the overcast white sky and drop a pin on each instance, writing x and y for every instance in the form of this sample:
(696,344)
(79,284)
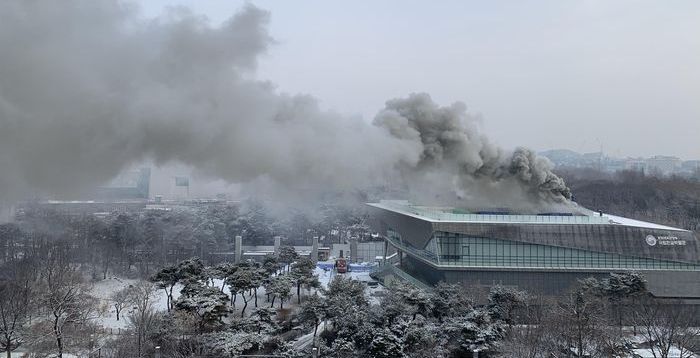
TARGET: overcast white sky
(623,76)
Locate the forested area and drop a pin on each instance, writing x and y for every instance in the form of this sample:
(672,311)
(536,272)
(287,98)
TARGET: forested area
(134,244)
(670,200)
(278,307)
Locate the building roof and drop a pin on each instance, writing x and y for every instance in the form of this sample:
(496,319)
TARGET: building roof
(582,216)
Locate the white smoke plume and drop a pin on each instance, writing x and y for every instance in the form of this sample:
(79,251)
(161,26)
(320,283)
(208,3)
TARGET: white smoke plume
(88,88)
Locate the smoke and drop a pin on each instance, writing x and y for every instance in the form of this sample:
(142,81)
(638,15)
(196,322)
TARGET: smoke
(454,153)
(89,88)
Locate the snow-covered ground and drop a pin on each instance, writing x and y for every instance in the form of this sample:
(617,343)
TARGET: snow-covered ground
(673,353)
(325,276)
(104,289)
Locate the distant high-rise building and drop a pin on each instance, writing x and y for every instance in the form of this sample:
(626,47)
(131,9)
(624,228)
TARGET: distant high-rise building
(181,188)
(7,212)
(133,184)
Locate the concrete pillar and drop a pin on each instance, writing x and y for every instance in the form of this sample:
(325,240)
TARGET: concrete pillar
(314,250)
(238,252)
(386,249)
(278,243)
(353,250)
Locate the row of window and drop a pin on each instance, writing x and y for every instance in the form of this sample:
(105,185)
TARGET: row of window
(458,250)
(469,251)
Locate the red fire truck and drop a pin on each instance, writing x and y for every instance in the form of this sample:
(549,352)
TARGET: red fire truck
(341,265)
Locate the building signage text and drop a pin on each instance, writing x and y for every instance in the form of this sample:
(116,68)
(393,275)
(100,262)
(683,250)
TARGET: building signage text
(664,241)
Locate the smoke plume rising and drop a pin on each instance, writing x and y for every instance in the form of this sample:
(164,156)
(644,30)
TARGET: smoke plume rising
(89,88)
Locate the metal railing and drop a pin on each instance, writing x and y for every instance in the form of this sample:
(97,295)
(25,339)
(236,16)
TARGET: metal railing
(397,271)
(439,214)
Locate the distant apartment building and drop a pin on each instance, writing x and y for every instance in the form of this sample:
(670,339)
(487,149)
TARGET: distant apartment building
(660,164)
(7,212)
(663,164)
(636,164)
(690,166)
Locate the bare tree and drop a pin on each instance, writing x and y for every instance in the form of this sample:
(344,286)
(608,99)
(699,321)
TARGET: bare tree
(534,339)
(121,299)
(64,295)
(579,318)
(16,290)
(143,317)
(665,325)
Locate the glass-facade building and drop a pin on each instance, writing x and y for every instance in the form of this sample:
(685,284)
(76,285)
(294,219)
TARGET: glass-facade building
(539,252)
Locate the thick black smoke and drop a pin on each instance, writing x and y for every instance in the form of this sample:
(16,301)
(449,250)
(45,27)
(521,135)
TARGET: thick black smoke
(454,153)
(88,88)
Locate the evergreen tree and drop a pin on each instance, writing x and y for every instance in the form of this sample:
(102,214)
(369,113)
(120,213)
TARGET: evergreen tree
(242,281)
(313,311)
(386,344)
(166,279)
(302,273)
(208,304)
(287,255)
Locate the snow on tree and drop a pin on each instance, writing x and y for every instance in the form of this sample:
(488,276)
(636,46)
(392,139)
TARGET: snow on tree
(668,325)
(302,273)
(341,348)
(358,325)
(65,296)
(169,276)
(16,298)
(618,285)
(120,299)
(449,300)
(618,288)
(190,270)
(206,303)
(142,318)
(417,299)
(626,284)
(343,292)
(579,318)
(264,320)
(259,277)
(222,271)
(166,279)
(313,310)
(240,282)
(287,255)
(280,286)
(475,332)
(423,338)
(230,343)
(394,306)
(271,265)
(386,344)
(503,301)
